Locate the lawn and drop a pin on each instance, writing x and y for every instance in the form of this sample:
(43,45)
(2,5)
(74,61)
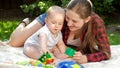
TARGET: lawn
(114,38)
(6,28)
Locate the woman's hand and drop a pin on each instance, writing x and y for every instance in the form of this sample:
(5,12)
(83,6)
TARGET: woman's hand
(79,57)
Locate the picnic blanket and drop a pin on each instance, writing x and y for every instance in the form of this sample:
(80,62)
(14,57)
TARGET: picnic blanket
(10,54)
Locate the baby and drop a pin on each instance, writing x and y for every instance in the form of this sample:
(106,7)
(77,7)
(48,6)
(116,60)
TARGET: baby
(48,36)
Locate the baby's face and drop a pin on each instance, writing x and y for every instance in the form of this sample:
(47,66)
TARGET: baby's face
(55,23)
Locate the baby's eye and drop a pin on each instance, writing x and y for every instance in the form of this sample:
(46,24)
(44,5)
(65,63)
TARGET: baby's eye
(53,22)
(60,24)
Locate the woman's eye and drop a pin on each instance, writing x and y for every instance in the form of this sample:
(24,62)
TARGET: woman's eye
(74,21)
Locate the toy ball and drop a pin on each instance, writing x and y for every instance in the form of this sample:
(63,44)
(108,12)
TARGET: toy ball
(69,64)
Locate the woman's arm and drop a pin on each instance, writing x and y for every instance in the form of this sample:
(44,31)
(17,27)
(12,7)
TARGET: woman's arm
(61,46)
(102,42)
(103,54)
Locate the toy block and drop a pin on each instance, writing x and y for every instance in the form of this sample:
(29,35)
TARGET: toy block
(69,51)
(46,58)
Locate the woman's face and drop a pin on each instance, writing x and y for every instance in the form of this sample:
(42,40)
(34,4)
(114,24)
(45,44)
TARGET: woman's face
(74,21)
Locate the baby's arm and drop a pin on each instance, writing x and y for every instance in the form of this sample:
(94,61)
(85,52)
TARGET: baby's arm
(61,46)
(43,42)
(60,49)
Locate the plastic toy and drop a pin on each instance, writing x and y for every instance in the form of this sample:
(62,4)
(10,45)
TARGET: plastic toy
(41,62)
(30,62)
(24,63)
(36,63)
(69,64)
(33,62)
(70,52)
(46,58)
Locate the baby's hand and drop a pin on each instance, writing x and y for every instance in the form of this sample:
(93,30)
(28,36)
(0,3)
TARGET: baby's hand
(51,54)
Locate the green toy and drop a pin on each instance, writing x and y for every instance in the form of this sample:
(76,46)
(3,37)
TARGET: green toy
(46,58)
(69,51)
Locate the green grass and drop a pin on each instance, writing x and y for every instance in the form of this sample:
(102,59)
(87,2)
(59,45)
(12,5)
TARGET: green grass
(6,28)
(114,38)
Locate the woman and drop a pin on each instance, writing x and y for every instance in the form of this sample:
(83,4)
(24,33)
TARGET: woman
(83,30)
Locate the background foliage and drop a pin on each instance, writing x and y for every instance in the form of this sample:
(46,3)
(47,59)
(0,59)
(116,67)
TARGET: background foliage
(103,6)
(100,6)
(41,6)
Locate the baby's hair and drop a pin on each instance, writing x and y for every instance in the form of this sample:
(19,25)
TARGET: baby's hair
(54,10)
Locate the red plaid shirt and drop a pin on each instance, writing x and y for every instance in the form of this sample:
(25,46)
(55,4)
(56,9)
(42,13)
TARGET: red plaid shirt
(99,34)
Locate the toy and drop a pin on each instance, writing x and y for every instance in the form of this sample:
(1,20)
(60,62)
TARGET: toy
(30,62)
(69,51)
(24,63)
(36,63)
(46,58)
(69,64)
(33,62)
(41,62)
